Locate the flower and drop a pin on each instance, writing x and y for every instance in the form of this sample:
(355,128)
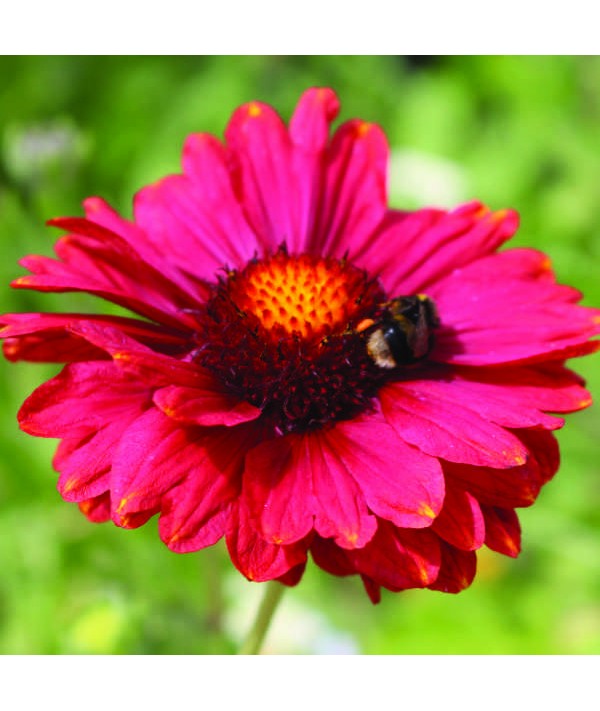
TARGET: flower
(308,370)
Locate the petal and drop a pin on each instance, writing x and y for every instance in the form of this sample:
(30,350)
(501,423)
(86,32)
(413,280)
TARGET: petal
(208,406)
(309,125)
(516,397)
(268,186)
(196,217)
(96,509)
(48,338)
(399,559)
(100,213)
(255,557)
(372,589)
(502,530)
(195,512)
(517,486)
(153,455)
(81,400)
(439,423)
(94,260)
(413,251)
(309,131)
(355,189)
(296,482)
(456,571)
(330,557)
(544,448)
(460,522)
(141,362)
(507,308)
(399,483)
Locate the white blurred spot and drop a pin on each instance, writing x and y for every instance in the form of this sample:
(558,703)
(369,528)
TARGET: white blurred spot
(425,179)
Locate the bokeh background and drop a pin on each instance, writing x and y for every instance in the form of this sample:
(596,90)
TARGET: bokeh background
(519,132)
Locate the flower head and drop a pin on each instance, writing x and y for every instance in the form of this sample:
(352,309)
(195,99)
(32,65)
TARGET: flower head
(305,370)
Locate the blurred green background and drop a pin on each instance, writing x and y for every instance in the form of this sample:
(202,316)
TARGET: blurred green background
(519,132)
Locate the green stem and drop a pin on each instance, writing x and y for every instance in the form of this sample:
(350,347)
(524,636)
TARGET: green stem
(268,605)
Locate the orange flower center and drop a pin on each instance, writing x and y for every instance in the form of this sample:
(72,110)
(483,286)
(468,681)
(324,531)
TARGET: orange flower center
(309,296)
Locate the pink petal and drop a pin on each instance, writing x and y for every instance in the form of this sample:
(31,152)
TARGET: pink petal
(399,558)
(460,522)
(517,396)
(502,530)
(399,483)
(440,424)
(411,252)
(309,131)
(355,189)
(255,557)
(97,509)
(195,512)
(296,482)
(267,184)
(97,261)
(456,571)
(196,217)
(507,308)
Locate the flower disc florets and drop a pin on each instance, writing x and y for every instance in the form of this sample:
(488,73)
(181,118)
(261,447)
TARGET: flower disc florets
(281,334)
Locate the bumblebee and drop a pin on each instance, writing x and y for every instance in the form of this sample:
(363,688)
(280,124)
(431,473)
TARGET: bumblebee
(402,332)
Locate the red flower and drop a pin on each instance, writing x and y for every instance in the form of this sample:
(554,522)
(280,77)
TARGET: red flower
(288,384)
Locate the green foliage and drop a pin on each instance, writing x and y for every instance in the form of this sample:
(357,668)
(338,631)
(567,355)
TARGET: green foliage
(513,131)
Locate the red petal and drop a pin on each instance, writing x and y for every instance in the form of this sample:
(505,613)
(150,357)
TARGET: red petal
(330,557)
(544,449)
(502,530)
(372,589)
(141,362)
(154,454)
(195,512)
(296,482)
(204,406)
(82,399)
(254,557)
(47,338)
(399,558)
(460,522)
(399,483)
(440,424)
(456,571)
(518,486)
(293,576)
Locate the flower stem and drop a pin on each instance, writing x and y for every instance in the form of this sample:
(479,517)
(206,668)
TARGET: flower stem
(268,605)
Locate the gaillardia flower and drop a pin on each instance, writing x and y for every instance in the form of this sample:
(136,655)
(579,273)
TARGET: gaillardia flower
(305,370)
